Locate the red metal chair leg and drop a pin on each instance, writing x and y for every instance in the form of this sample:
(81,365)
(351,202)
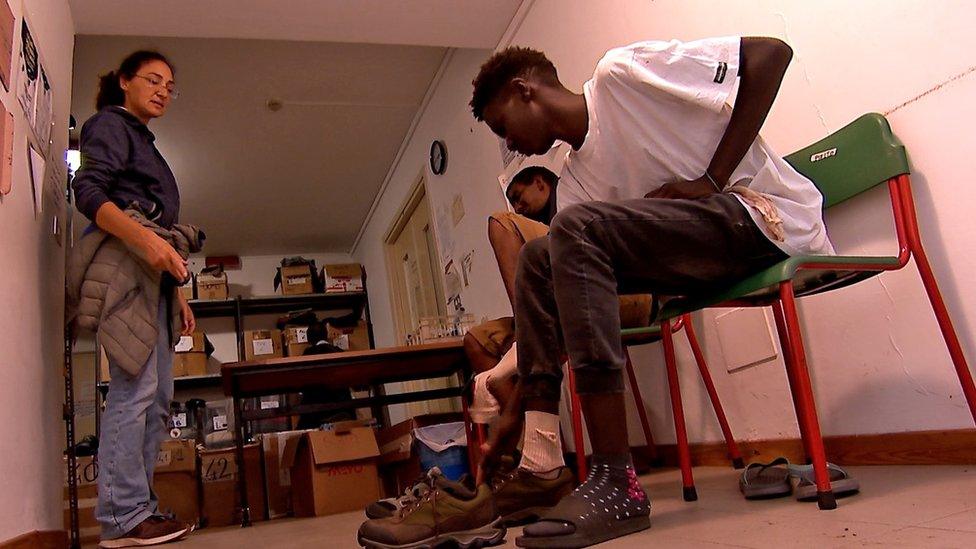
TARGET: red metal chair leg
(935,298)
(641,411)
(788,354)
(733,448)
(807,409)
(684,453)
(576,411)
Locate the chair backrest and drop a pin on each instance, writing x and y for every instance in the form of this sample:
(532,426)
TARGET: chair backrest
(853,159)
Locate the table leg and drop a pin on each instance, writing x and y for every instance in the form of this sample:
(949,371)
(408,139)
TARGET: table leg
(241,467)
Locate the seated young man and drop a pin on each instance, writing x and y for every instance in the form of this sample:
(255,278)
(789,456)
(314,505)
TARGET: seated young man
(667,190)
(489,346)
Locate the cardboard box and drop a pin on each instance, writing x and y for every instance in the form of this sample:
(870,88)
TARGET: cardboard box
(277,477)
(353,338)
(212,287)
(189,364)
(175,480)
(344,277)
(297,280)
(221,496)
(191,343)
(191,357)
(295,340)
(189,289)
(332,471)
(86,476)
(399,463)
(262,344)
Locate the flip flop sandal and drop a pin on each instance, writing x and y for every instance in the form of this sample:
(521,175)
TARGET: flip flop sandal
(766,480)
(841,482)
(575,522)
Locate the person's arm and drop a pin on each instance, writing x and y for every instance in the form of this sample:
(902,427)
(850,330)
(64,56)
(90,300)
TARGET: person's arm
(763,63)
(155,251)
(186,315)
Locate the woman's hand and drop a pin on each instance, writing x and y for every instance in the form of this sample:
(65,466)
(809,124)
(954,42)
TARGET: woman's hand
(186,314)
(160,255)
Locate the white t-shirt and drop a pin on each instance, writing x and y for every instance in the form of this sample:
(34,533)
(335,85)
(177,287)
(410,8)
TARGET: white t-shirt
(657,111)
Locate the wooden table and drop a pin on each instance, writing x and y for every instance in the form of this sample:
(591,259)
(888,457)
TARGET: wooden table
(352,369)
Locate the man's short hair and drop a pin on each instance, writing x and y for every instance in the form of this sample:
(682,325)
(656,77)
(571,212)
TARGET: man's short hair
(528,175)
(501,68)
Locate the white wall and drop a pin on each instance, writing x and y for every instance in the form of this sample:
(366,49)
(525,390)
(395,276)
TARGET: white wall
(876,356)
(254,279)
(32,304)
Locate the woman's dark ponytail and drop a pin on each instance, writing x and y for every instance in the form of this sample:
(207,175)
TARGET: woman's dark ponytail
(109,90)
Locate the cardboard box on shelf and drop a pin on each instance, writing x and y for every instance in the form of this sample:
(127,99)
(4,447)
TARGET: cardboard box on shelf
(219,477)
(352,338)
(211,286)
(189,289)
(399,462)
(191,357)
(175,480)
(297,280)
(295,340)
(277,477)
(343,277)
(86,477)
(189,364)
(332,471)
(262,344)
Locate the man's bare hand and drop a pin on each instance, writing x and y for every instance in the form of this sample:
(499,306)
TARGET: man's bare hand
(691,190)
(504,436)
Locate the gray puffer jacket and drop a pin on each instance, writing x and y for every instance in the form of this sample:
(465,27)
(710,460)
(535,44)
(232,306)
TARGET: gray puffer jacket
(113,292)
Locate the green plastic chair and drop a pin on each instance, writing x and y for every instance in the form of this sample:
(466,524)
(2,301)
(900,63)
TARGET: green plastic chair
(854,159)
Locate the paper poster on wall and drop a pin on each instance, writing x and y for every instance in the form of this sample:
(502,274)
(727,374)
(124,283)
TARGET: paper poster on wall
(444,232)
(43,111)
(457,210)
(36,163)
(6,42)
(28,67)
(6,150)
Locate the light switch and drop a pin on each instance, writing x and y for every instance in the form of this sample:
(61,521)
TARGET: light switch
(746,337)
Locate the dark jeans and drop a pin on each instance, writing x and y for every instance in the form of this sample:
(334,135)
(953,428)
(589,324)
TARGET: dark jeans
(567,283)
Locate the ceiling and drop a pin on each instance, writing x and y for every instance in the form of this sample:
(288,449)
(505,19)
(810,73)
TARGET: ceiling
(351,81)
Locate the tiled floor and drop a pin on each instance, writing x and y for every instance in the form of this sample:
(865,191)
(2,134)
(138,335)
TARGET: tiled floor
(923,506)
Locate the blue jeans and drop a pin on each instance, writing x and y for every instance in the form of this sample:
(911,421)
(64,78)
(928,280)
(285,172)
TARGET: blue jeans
(133,427)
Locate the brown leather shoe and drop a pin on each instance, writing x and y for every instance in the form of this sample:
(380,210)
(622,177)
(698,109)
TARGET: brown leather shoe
(522,497)
(152,531)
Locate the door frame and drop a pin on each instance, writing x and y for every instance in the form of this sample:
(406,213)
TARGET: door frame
(394,276)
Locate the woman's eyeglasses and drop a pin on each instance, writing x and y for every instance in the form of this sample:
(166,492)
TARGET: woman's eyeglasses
(157,81)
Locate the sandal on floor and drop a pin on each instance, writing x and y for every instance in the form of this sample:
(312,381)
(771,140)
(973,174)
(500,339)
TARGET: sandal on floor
(841,482)
(766,480)
(575,522)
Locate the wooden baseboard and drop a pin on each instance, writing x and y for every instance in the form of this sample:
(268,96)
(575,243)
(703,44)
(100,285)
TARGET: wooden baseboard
(50,539)
(957,447)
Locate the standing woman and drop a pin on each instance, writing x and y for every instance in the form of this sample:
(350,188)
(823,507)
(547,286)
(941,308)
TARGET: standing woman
(121,166)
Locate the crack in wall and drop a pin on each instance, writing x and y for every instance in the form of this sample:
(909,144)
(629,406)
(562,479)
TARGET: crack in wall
(933,89)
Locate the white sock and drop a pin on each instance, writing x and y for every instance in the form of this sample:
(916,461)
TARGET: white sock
(542,449)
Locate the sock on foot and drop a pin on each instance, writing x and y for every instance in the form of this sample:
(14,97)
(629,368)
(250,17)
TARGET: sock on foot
(542,449)
(611,489)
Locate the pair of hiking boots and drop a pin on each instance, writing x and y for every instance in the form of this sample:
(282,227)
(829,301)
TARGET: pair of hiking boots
(438,511)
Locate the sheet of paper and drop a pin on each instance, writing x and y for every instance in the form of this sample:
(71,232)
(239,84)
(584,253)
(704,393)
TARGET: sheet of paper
(37,177)
(28,67)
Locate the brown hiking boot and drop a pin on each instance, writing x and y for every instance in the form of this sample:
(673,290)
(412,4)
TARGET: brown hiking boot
(154,530)
(522,496)
(448,512)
